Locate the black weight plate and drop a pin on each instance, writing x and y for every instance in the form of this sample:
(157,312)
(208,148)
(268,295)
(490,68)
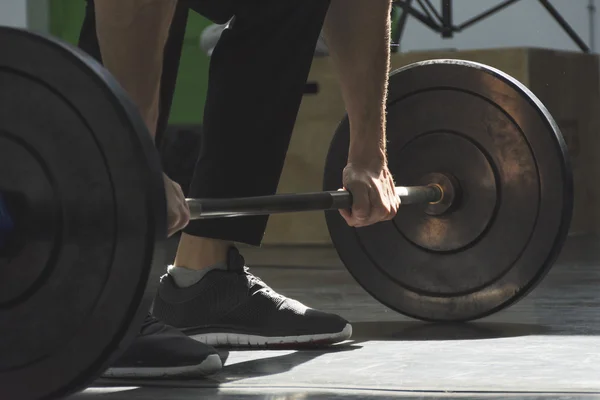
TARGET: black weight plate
(500,143)
(79,164)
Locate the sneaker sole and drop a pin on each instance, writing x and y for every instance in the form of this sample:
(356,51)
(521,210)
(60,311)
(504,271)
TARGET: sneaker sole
(216,339)
(209,366)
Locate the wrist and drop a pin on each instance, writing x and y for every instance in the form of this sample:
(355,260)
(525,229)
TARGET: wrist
(370,157)
(367,144)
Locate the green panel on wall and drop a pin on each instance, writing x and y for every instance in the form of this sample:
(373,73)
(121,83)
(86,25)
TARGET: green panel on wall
(66,17)
(192,82)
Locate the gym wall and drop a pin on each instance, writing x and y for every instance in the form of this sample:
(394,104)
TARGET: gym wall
(13,13)
(66,16)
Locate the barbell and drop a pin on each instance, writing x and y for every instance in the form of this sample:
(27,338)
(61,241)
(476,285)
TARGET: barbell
(486,207)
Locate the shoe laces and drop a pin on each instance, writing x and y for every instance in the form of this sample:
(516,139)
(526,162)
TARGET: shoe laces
(254,280)
(255,284)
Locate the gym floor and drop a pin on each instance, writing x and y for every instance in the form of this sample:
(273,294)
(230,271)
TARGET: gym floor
(545,347)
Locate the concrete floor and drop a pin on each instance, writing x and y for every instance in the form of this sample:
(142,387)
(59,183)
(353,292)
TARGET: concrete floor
(545,347)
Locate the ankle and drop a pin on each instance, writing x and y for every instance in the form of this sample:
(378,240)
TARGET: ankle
(198,253)
(185,277)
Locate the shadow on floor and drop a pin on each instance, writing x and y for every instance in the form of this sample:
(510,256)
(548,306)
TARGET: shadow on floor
(253,368)
(419,331)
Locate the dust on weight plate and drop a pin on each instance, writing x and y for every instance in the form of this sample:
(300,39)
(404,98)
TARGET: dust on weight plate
(498,141)
(71,158)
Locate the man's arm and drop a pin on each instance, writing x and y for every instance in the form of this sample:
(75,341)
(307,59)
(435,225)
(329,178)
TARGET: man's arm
(132,35)
(358,36)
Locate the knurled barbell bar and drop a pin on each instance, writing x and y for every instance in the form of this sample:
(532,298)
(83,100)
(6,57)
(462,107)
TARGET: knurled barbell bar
(485,167)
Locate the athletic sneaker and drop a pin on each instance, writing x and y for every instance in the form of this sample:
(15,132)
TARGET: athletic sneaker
(161,351)
(234,308)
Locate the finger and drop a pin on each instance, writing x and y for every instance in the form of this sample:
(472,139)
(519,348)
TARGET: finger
(179,190)
(177,226)
(396,198)
(180,219)
(184,208)
(380,204)
(394,201)
(384,205)
(171,231)
(361,205)
(392,213)
(392,197)
(185,215)
(347,215)
(174,222)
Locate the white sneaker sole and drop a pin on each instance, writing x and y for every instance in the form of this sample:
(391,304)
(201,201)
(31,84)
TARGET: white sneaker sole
(242,340)
(209,366)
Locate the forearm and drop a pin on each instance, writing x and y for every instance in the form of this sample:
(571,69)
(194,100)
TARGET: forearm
(132,36)
(358,36)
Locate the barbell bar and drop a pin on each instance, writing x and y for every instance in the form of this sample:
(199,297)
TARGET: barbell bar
(303,202)
(202,209)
